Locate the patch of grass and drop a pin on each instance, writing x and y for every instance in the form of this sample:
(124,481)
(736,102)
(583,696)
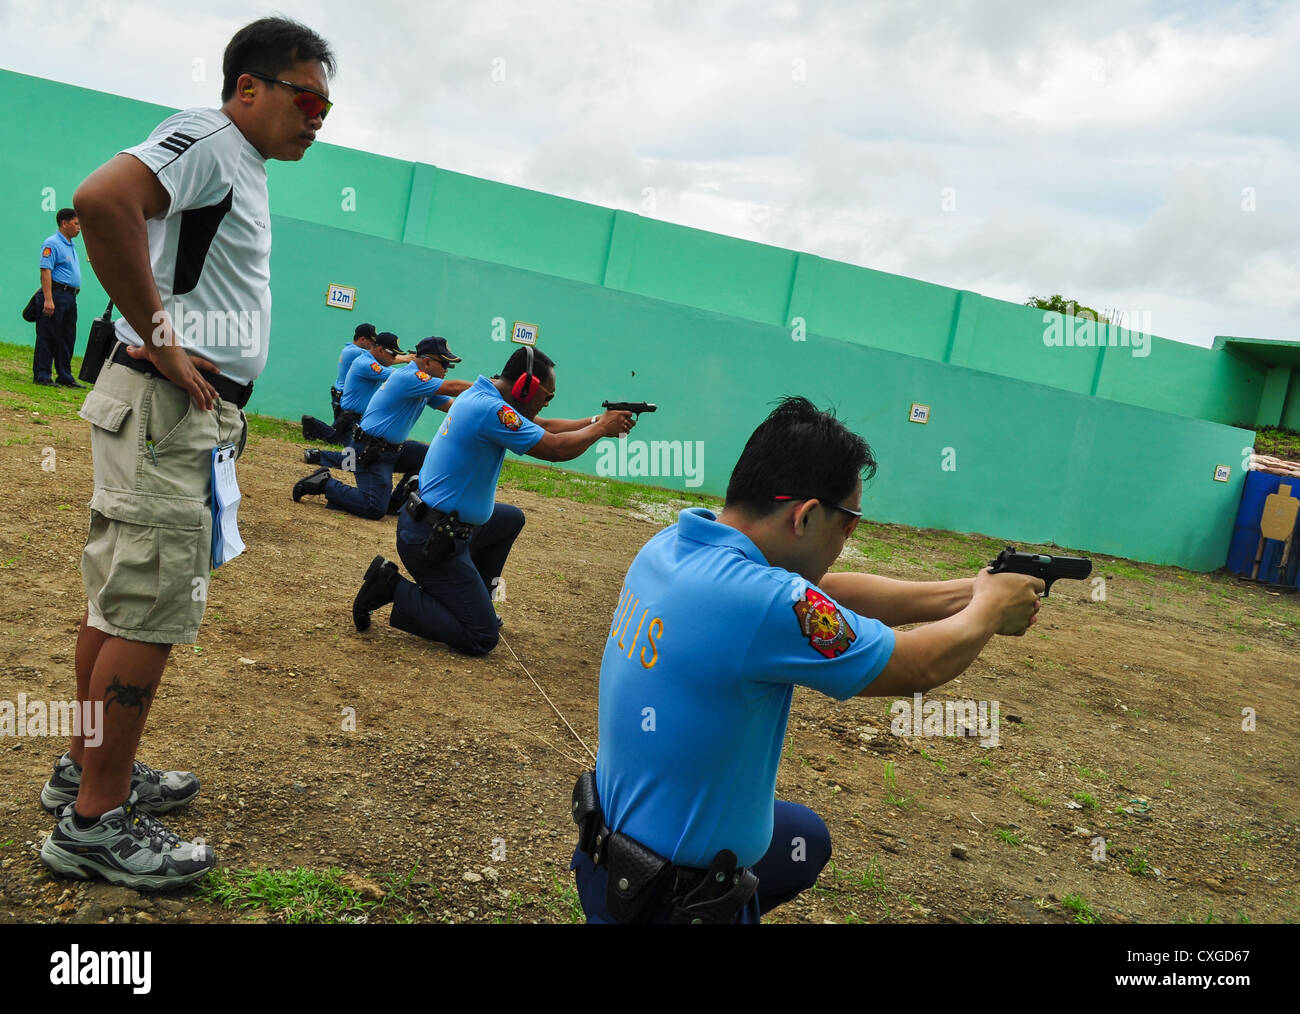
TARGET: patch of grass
(1082,912)
(1137,864)
(1209,915)
(562,902)
(985,762)
(275,428)
(295,896)
(1126,570)
(892,795)
(873,549)
(1007,836)
(1091,774)
(1031,799)
(1280,443)
(936,761)
(6,844)
(1240,836)
(510,917)
(546,481)
(1085,800)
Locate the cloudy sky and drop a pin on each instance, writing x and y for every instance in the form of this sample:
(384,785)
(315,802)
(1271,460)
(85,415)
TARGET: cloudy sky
(1132,155)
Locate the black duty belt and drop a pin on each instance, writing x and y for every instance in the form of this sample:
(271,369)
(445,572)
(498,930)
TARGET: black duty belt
(384,447)
(423,514)
(640,881)
(62,287)
(227,389)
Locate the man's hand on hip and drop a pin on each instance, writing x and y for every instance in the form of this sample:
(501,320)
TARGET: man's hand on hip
(181,369)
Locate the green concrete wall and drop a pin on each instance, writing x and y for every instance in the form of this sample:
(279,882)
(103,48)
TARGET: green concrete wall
(1032,462)
(633,308)
(1291,411)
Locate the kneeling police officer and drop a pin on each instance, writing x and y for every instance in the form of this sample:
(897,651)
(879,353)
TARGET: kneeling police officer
(719,619)
(452,535)
(379,445)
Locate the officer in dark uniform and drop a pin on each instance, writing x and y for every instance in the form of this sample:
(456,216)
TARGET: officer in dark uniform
(363,340)
(56,327)
(379,445)
(452,535)
(720,618)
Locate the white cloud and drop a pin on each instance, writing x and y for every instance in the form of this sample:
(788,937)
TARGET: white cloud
(1096,150)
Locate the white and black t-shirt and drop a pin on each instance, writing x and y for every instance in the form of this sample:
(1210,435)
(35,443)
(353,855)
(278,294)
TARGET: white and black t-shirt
(211,252)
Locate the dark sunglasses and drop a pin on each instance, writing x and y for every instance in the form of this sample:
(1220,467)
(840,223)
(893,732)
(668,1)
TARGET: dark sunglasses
(856,515)
(312,104)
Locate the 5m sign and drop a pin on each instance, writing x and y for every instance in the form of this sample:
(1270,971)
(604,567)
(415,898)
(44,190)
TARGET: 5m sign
(341,297)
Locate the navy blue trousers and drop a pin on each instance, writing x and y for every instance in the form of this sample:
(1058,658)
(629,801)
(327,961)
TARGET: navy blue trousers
(56,339)
(801,847)
(452,601)
(371,497)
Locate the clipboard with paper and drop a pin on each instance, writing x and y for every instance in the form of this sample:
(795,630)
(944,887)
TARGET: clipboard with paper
(226,543)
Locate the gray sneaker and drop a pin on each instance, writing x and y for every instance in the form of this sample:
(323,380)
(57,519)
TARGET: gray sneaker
(128,847)
(158,791)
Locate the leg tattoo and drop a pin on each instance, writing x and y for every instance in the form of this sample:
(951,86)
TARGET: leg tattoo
(126,695)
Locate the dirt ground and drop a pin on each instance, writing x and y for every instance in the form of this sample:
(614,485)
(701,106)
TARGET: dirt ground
(1121,720)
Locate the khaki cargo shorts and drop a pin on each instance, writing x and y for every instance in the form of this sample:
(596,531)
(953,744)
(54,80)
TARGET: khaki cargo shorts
(147,557)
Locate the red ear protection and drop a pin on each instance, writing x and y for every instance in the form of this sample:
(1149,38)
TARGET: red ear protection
(526,384)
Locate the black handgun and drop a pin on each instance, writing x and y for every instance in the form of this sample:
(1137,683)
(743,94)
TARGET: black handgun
(1049,568)
(635,407)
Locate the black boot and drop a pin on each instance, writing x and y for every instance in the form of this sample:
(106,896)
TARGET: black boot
(312,484)
(377,589)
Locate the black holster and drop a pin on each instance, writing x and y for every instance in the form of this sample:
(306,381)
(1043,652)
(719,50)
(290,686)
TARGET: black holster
(336,402)
(638,877)
(720,896)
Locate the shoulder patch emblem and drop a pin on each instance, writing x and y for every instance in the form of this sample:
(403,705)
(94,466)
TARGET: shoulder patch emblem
(509,417)
(422,376)
(46,252)
(376,367)
(820,620)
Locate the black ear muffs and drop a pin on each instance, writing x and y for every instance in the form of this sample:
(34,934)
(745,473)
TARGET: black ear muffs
(526,384)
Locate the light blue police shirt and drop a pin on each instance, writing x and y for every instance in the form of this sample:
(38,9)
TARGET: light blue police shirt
(461,470)
(707,645)
(346,358)
(362,381)
(399,401)
(61,260)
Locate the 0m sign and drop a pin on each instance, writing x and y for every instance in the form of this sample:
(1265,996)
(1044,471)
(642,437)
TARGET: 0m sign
(341,296)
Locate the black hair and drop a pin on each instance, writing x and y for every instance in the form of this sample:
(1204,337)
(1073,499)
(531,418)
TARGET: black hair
(802,452)
(270,46)
(64,214)
(543,366)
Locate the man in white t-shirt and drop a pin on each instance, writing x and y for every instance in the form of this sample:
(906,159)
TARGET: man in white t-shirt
(179,229)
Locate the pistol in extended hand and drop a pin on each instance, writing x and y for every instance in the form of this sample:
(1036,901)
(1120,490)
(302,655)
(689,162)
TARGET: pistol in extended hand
(1049,568)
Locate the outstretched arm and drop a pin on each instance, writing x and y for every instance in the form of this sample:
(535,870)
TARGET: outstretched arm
(895,603)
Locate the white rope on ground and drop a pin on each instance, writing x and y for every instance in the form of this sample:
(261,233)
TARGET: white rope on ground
(550,702)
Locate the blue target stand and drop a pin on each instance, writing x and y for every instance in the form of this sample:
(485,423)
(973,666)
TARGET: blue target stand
(1265,543)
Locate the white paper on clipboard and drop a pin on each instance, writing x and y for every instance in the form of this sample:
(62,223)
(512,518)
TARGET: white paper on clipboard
(226,543)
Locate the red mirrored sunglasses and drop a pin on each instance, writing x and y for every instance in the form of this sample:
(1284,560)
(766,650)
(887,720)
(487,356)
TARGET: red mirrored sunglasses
(312,104)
